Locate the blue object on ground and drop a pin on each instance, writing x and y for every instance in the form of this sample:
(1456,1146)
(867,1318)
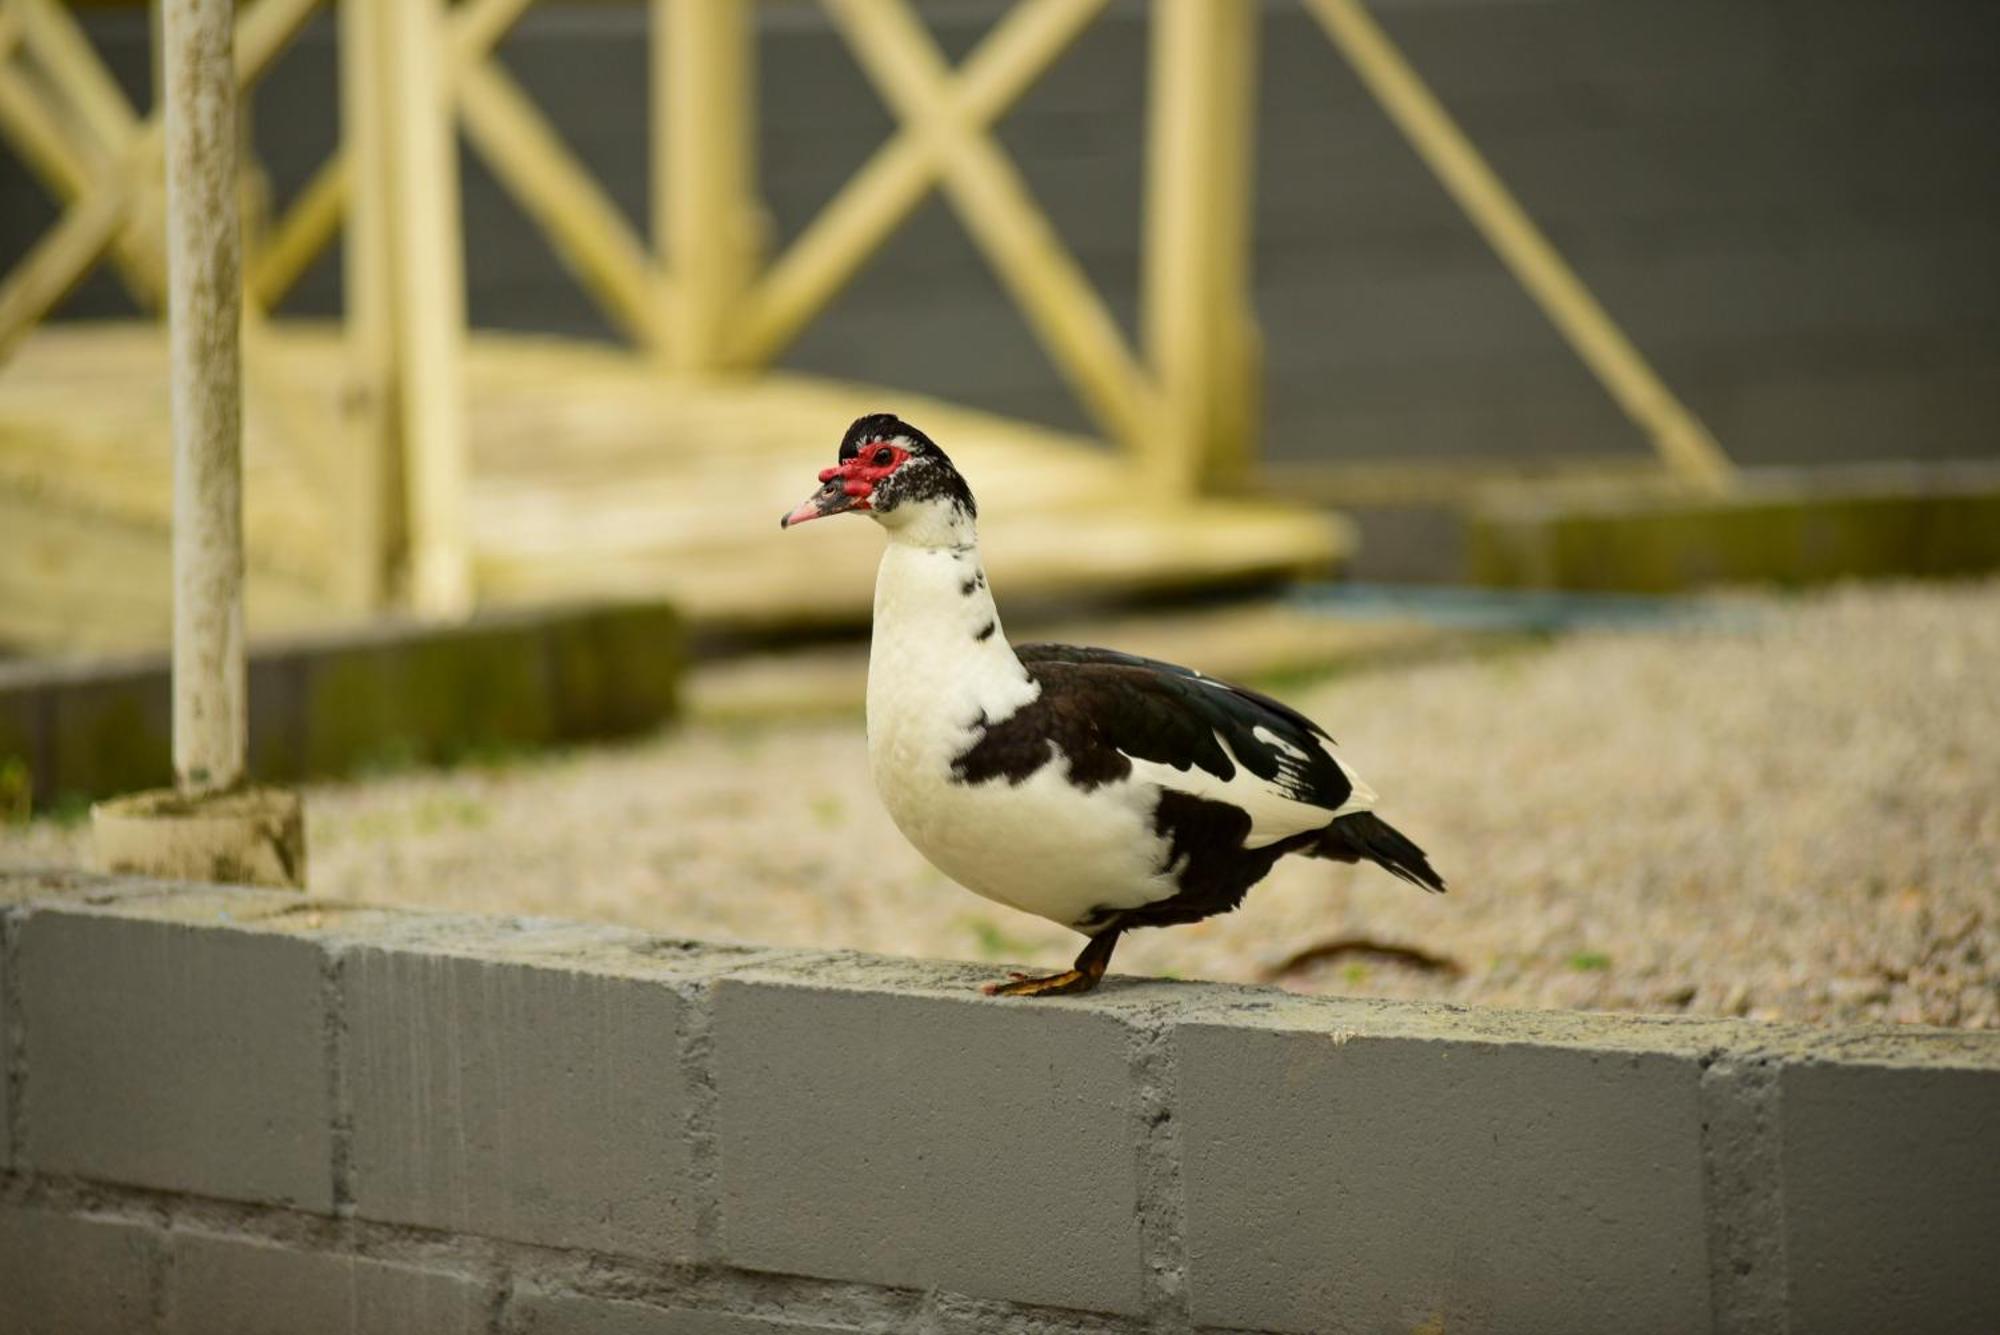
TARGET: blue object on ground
(1468,608)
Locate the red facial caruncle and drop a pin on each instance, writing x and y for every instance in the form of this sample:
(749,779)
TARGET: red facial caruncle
(848,485)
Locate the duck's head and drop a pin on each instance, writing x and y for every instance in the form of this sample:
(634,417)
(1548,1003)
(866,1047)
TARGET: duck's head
(895,474)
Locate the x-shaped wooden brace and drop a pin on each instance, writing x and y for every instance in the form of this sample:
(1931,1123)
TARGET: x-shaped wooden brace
(530,160)
(945,139)
(95,218)
(69,158)
(110,204)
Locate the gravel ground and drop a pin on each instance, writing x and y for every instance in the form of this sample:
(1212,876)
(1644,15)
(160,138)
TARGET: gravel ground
(1792,814)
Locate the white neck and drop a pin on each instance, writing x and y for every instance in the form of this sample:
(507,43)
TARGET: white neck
(931,673)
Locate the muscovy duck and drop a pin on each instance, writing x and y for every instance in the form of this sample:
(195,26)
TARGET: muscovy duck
(1100,790)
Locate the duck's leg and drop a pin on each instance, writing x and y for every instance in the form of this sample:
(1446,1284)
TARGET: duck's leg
(1079,977)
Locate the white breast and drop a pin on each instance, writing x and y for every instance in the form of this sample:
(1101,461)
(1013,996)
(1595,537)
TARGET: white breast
(1041,846)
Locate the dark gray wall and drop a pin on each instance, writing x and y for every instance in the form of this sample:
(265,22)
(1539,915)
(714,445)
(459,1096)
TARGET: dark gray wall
(433,1122)
(1792,205)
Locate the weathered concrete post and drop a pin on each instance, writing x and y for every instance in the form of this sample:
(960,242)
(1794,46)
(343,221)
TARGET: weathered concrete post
(208,827)
(204,287)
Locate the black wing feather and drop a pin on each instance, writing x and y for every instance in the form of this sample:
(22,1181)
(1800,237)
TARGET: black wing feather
(1098,707)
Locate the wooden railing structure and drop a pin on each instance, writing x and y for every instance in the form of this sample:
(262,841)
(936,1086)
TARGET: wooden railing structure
(695,294)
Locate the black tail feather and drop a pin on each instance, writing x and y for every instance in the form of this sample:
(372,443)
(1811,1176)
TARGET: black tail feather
(1363,834)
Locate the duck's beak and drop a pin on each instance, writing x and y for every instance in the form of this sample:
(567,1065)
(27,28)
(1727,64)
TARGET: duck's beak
(832,498)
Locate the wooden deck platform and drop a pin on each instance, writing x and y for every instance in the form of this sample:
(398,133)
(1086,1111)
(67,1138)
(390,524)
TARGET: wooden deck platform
(594,476)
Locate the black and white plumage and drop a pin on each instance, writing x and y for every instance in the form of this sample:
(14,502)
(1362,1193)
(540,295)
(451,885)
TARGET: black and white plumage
(1097,789)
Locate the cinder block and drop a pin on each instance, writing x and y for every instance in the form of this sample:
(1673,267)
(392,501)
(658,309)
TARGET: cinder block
(67,1275)
(1364,1181)
(928,1142)
(1891,1197)
(536,1313)
(236,1286)
(540,1101)
(164,1054)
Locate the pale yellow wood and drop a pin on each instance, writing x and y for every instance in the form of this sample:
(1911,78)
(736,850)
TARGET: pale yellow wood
(37,135)
(707,222)
(997,210)
(58,261)
(1676,433)
(48,147)
(896,178)
(355,186)
(78,582)
(27,124)
(430,308)
(100,113)
(478,26)
(561,196)
(631,503)
(51,32)
(84,415)
(263,30)
(289,429)
(88,227)
(1200,333)
(314,219)
(374,502)
(289,246)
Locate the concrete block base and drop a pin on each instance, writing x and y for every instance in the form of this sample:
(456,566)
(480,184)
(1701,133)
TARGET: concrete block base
(236,1109)
(253,837)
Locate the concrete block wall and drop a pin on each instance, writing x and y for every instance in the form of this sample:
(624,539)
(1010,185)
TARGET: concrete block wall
(233,1110)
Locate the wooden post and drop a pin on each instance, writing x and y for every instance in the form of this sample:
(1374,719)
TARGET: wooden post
(374,503)
(204,308)
(429,303)
(1200,333)
(706,219)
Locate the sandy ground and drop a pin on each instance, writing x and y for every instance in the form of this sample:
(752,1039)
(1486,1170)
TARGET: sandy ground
(1793,814)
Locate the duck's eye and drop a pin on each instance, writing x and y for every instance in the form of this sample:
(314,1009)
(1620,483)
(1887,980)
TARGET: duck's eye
(882,457)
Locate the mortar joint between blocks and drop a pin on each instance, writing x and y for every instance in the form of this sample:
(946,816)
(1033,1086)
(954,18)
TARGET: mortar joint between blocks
(340,1113)
(1161,1194)
(696,1042)
(1743,1189)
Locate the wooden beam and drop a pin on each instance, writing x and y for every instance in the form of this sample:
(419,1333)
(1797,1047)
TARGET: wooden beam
(478,25)
(59,261)
(589,233)
(707,221)
(375,502)
(291,245)
(876,200)
(998,211)
(27,124)
(315,217)
(1676,432)
(51,32)
(430,309)
(1200,332)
